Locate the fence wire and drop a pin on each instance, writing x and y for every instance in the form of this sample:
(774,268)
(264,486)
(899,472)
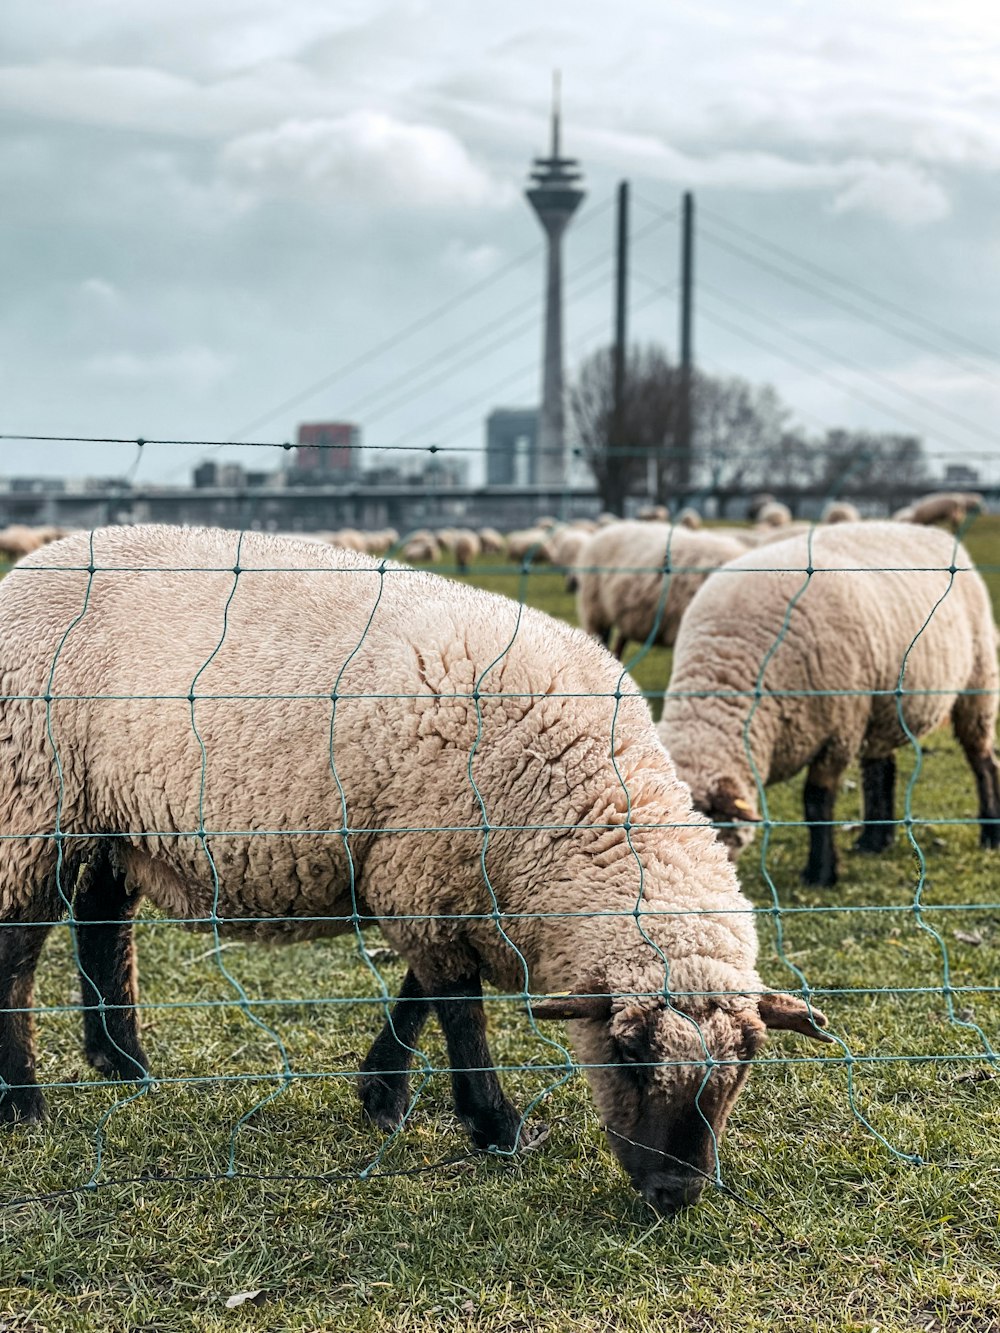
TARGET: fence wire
(296,1091)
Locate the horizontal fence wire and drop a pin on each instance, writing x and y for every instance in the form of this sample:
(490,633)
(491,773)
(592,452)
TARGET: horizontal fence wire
(89,761)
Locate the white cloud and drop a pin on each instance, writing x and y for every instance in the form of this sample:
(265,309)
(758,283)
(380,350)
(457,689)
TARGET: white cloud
(895,190)
(98,292)
(368,157)
(472,261)
(196,368)
(157,101)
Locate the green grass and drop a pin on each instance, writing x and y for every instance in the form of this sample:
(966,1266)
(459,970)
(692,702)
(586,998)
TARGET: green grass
(831,1231)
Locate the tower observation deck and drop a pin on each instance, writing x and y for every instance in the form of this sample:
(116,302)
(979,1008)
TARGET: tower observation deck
(555,193)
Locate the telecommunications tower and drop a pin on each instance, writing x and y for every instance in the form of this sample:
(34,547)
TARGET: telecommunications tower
(555,195)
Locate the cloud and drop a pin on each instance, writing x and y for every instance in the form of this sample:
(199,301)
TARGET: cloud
(155,101)
(368,157)
(196,368)
(471,261)
(895,190)
(98,292)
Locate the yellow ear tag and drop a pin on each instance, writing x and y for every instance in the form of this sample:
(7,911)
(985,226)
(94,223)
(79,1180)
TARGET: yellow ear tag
(741,805)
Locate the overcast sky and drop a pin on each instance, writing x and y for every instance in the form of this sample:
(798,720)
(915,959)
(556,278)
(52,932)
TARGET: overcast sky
(209,205)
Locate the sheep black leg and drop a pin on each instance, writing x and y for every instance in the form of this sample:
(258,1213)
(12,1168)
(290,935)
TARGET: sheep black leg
(878,782)
(384,1084)
(492,1121)
(984,768)
(821,868)
(974,719)
(102,912)
(20,948)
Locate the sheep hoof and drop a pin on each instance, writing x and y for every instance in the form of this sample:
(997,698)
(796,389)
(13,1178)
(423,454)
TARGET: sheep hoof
(824,878)
(989,835)
(874,841)
(129,1068)
(497,1129)
(22,1106)
(383,1101)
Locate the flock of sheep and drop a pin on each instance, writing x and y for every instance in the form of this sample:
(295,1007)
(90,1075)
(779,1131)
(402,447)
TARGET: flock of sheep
(501,803)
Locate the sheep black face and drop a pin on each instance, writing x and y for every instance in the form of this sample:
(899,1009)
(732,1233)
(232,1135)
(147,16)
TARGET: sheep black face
(666,1079)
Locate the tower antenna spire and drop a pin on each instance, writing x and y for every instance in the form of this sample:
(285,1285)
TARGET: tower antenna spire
(556,109)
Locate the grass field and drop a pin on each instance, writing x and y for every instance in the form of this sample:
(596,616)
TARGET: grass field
(824,1226)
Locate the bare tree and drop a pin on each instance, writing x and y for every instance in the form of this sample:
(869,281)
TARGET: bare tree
(627,456)
(742,434)
(854,457)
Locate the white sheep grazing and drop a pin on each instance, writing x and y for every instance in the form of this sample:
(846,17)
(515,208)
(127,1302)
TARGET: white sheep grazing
(17,541)
(757,503)
(183,643)
(840,511)
(620,579)
(350,539)
(465,548)
(378,543)
(830,686)
(765,535)
(445,538)
(774,514)
(689,518)
(492,541)
(528,543)
(951,507)
(564,548)
(421,546)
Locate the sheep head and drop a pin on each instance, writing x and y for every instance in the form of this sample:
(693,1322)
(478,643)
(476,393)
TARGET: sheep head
(726,804)
(665,1075)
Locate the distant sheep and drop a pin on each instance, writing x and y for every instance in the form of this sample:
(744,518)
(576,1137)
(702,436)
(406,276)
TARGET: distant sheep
(950,507)
(350,539)
(830,685)
(840,511)
(774,514)
(17,541)
(528,542)
(224,619)
(620,579)
(689,518)
(421,547)
(757,503)
(564,548)
(492,541)
(465,549)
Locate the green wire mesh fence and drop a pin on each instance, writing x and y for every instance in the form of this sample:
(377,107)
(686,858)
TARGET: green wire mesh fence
(249,1072)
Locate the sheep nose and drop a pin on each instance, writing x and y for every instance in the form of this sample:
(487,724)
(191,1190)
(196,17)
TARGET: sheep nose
(668,1194)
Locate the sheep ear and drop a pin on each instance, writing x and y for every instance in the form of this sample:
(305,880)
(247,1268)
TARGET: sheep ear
(631,1029)
(589,1002)
(789,1013)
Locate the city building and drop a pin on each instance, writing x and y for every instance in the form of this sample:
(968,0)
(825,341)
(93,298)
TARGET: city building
(326,452)
(511,446)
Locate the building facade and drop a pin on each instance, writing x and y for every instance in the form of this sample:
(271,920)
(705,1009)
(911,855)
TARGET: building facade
(512,446)
(327,451)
